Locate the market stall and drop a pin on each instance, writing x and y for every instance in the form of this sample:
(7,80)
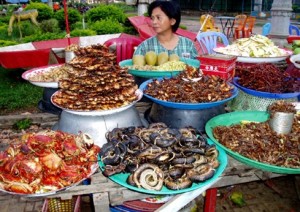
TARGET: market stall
(201,145)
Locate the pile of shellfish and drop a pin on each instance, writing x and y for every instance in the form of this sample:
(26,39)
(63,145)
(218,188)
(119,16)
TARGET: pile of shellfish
(95,82)
(158,156)
(47,161)
(190,87)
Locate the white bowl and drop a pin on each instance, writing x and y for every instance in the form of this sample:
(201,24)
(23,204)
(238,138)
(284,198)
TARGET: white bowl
(294,59)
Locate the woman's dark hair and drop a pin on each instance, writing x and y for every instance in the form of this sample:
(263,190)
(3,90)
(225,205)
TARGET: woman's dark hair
(171,9)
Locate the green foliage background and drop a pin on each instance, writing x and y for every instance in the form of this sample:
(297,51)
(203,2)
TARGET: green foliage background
(45,12)
(73,17)
(16,93)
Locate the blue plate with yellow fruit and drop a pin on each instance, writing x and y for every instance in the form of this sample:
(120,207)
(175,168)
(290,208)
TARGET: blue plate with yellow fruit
(153,73)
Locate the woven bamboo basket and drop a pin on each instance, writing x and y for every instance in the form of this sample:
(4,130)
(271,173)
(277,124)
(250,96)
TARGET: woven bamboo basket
(59,205)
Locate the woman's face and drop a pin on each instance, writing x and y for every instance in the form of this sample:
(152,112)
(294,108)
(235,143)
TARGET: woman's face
(160,21)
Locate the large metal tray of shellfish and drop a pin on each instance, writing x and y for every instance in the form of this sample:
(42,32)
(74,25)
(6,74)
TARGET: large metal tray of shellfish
(138,93)
(243,117)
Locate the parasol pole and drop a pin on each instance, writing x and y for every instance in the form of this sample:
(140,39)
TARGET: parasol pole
(67,22)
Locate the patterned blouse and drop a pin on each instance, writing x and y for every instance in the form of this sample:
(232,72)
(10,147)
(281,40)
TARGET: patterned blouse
(185,47)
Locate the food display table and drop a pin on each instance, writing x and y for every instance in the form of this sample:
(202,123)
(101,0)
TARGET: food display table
(106,193)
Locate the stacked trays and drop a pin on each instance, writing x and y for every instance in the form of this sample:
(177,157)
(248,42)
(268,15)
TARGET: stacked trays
(178,115)
(97,96)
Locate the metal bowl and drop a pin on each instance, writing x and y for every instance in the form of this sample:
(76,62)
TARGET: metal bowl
(97,126)
(179,118)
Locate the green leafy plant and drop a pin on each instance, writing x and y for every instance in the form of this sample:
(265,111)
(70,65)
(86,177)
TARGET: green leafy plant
(126,8)
(4,19)
(78,25)
(45,12)
(182,27)
(4,34)
(103,11)
(73,17)
(43,36)
(108,26)
(22,124)
(82,32)
(27,28)
(128,27)
(50,25)
(7,43)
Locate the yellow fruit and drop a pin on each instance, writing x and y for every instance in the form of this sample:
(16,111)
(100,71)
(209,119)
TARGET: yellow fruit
(151,58)
(174,57)
(138,60)
(162,58)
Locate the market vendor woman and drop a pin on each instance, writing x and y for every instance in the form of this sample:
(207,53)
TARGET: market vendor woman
(165,17)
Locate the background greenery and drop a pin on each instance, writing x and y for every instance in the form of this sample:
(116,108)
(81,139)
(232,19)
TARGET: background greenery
(16,93)
(83,19)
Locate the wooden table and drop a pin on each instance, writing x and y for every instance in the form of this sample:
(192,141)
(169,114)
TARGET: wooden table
(105,192)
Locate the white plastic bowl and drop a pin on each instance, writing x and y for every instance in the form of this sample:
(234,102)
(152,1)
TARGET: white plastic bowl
(294,59)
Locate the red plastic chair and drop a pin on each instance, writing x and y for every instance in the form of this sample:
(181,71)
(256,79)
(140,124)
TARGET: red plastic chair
(124,46)
(238,25)
(249,24)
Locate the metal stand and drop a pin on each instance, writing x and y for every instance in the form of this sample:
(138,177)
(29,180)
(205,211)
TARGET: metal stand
(45,103)
(179,118)
(97,126)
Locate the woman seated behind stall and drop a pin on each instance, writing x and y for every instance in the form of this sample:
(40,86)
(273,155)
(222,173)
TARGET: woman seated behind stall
(165,18)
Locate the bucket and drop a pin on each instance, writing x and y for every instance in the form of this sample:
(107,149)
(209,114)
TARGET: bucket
(69,55)
(282,122)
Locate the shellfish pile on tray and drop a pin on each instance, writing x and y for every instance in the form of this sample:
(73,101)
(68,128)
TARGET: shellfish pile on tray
(158,156)
(190,86)
(47,161)
(259,142)
(95,82)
